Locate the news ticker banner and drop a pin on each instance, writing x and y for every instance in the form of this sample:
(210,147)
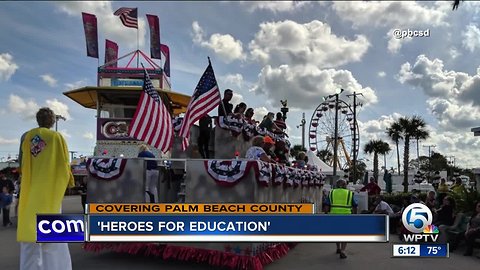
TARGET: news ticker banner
(201,208)
(421,250)
(209,223)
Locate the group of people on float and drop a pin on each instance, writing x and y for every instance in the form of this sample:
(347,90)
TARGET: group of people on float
(241,111)
(278,151)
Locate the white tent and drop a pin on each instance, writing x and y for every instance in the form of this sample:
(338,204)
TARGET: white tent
(314,160)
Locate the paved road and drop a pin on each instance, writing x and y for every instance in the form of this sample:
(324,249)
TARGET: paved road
(304,256)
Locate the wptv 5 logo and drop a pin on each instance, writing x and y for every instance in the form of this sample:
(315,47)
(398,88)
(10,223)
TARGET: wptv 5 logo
(417,218)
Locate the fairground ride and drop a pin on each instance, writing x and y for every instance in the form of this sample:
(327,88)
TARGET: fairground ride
(322,134)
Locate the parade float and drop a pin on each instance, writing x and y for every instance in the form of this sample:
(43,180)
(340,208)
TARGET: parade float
(116,175)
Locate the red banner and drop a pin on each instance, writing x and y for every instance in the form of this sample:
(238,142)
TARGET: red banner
(91,36)
(154,24)
(111,53)
(166,51)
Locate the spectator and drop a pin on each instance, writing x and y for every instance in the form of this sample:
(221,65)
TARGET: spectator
(268,124)
(249,116)
(6,199)
(83,192)
(430,200)
(395,223)
(280,122)
(151,173)
(205,127)
(240,110)
(281,152)
(256,151)
(387,178)
(445,214)
(268,147)
(381,207)
(227,107)
(415,199)
(46,174)
(6,184)
(300,162)
(442,191)
(473,230)
(458,187)
(372,188)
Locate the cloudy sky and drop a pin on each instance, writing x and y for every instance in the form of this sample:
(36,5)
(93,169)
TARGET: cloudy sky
(265,51)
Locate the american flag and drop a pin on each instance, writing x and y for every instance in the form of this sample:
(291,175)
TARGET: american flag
(205,98)
(128,16)
(152,122)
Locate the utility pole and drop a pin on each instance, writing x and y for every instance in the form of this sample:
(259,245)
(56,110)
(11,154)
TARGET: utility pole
(302,124)
(335,139)
(429,158)
(356,141)
(429,150)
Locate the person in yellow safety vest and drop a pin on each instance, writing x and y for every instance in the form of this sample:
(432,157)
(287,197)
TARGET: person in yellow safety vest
(341,201)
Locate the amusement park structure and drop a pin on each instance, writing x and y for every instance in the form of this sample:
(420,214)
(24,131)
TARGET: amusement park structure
(334,134)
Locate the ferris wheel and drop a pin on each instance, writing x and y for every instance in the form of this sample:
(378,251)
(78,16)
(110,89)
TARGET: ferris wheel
(322,133)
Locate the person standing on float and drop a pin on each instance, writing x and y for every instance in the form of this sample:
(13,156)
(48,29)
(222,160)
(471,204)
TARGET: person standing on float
(341,202)
(46,174)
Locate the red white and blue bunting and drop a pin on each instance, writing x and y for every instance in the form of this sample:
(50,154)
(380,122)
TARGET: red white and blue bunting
(228,172)
(263,172)
(106,168)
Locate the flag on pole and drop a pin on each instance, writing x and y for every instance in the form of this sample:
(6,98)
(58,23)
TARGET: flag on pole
(166,52)
(128,16)
(205,98)
(154,24)
(91,34)
(111,53)
(152,122)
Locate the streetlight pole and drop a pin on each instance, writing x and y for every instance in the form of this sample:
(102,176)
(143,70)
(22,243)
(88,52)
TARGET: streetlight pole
(302,124)
(58,117)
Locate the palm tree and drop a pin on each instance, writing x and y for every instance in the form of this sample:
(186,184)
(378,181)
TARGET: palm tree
(421,135)
(410,127)
(395,133)
(376,147)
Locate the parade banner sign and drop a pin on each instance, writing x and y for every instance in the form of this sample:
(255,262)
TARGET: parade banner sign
(154,24)
(111,53)
(91,34)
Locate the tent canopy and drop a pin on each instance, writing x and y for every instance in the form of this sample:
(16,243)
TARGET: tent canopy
(314,160)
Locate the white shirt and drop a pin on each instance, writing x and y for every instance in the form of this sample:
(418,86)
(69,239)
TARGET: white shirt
(254,152)
(383,206)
